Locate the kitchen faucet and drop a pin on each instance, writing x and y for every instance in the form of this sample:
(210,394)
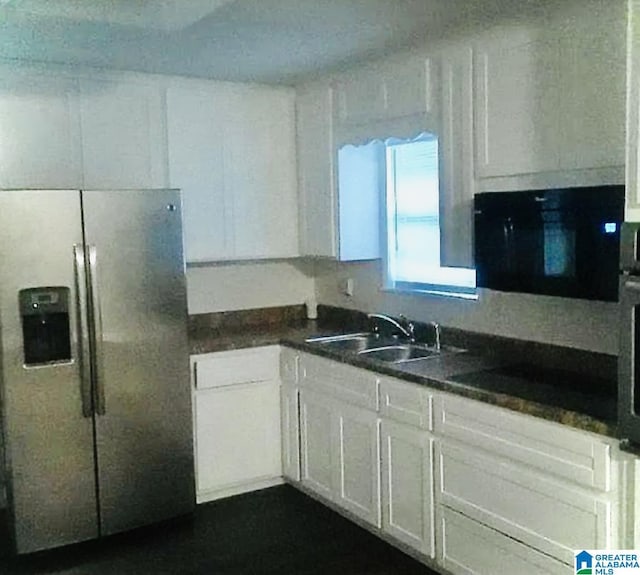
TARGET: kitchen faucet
(406,328)
(436,330)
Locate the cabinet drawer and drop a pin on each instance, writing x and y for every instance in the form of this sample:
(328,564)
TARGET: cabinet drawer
(552,516)
(351,384)
(406,403)
(553,448)
(235,367)
(470,548)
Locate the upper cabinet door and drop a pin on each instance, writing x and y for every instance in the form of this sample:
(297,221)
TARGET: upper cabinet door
(408,86)
(516,112)
(195,118)
(39,131)
(316,171)
(361,97)
(593,69)
(260,172)
(123,135)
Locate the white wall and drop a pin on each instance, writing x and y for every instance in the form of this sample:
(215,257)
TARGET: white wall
(568,322)
(248,285)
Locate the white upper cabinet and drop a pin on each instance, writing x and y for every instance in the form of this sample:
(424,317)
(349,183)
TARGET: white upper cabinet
(39,131)
(593,66)
(391,89)
(552,97)
(516,111)
(316,174)
(195,145)
(457,182)
(232,152)
(123,134)
(260,172)
(632,212)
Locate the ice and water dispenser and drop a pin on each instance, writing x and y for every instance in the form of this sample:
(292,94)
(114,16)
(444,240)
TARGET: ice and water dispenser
(46,336)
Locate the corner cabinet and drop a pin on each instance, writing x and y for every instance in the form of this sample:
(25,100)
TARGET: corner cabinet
(232,151)
(236,403)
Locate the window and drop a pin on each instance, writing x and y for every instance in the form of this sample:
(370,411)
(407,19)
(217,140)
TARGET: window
(413,222)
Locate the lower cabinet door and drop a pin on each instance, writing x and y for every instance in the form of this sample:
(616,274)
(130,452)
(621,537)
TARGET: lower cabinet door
(470,548)
(290,432)
(316,443)
(237,437)
(407,485)
(357,452)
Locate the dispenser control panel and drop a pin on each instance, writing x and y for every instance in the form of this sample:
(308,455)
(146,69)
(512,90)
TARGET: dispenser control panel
(46,335)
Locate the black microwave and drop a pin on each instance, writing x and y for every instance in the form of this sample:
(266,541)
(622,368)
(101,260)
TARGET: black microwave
(560,242)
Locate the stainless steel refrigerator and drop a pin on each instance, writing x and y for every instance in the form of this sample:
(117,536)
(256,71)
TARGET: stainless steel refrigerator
(96,401)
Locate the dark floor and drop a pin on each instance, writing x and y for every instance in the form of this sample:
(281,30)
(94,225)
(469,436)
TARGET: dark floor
(274,531)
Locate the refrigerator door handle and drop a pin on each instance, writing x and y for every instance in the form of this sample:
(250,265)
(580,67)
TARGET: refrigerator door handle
(96,333)
(84,356)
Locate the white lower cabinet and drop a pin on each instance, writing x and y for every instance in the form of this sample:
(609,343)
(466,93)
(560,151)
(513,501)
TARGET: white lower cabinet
(340,456)
(339,435)
(317,455)
(236,422)
(357,449)
(407,485)
(290,414)
(470,548)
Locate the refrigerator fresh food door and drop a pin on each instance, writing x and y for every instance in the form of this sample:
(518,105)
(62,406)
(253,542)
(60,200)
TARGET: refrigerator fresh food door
(48,430)
(141,370)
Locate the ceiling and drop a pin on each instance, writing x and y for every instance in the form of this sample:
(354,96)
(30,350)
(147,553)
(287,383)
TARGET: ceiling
(271,41)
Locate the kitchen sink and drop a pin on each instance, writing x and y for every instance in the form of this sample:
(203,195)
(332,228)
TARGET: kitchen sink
(399,353)
(352,342)
(373,346)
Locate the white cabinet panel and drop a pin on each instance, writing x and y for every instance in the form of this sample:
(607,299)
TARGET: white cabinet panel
(236,423)
(196,158)
(361,97)
(409,86)
(554,449)
(457,179)
(469,548)
(316,173)
(407,485)
(551,516)
(316,430)
(290,431)
(260,172)
(593,70)
(123,135)
(39,131)
(516,105)
(358,462)
(232,150)
(632,211)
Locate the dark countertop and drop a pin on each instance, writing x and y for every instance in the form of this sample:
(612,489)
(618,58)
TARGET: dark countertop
(565,397)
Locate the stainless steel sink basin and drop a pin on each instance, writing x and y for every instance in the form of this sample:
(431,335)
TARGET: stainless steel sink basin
(373,346)
(399,353)
(353,342)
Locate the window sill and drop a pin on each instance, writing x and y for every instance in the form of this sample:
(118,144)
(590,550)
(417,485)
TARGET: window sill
(431,292)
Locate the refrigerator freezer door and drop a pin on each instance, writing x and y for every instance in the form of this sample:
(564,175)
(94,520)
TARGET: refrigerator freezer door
(143,396)
(48,441)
